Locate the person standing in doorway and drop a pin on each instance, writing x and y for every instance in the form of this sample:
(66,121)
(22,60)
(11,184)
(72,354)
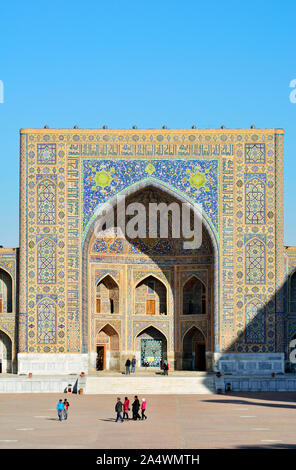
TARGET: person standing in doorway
(118,409)
(126,408)
(135,408)
(164,365)
(66,408)
(60,408)
(133,364)
(127,366)
(143,408)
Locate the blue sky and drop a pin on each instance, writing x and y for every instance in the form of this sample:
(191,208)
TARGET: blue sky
(149,63)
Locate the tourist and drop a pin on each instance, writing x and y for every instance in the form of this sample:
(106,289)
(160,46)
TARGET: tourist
(60,408)
(133,364)
(127,366)
(135,408)
(118,409)
(165,367)
(126,408)
(66,408)
(143,408)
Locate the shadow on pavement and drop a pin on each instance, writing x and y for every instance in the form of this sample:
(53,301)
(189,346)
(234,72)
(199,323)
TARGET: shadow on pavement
(247,397)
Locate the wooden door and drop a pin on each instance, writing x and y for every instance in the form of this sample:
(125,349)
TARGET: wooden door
(98,305)
(150,307)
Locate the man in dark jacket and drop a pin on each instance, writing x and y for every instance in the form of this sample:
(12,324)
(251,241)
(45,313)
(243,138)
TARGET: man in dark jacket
(127,366)
(135,408)
(118,409)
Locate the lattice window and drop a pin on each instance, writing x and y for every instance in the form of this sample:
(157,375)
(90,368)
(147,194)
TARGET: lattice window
(46,203)
(255,322)
(255,153)
(46,262)
(46,153)
(46,322)
(255,201)
(293,293)
(255,262)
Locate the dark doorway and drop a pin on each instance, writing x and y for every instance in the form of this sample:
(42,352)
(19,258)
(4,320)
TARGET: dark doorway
(200,356)
(194,350)
(100,365)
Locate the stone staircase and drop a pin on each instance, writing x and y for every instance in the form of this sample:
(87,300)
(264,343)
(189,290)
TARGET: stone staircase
(150,384)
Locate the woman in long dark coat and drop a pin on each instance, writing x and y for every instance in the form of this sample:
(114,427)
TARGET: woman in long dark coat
(135,408)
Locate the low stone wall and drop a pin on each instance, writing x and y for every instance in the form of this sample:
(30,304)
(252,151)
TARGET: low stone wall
(250,364)
(49,364)
(261,384)
(37,384)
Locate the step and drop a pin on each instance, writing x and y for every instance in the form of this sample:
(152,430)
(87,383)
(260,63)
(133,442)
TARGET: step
(149,385)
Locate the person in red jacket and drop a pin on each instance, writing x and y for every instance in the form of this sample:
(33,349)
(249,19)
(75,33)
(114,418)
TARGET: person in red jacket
(143,408)
(126,408)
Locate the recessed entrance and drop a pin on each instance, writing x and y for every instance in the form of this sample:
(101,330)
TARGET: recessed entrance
(141,283)
(151,352)
(194,350)
(200,356)
(101,358)
(152,346)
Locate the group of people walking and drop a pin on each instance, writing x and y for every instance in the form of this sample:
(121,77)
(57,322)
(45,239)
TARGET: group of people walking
(130,364)
(125,408)
(63,408)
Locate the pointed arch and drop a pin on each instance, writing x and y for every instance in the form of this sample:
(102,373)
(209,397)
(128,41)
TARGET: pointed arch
(5,351)
(107,295)
(194,293)
(150,343)
(151,296)
(192,330)
(107,345)
(110,328)
(194,349)
(182,198)
(6,291)
(150,325)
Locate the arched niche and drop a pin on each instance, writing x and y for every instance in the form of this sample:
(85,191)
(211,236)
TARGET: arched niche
(151,347)
(194,297)
(194,350)
(5,292)
(150,297)
(5,353)
(107,348)
(107,296)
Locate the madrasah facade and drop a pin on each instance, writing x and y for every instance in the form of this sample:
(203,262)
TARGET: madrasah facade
(73,301)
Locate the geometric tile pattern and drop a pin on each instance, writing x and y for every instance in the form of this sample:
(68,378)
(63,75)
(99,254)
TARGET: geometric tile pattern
(46,203)
(255,153)
(235,175)
(46,154)
(46,322)
(255,262)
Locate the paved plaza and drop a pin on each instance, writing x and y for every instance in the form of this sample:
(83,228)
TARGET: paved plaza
(174,422)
